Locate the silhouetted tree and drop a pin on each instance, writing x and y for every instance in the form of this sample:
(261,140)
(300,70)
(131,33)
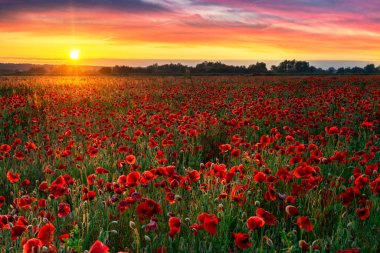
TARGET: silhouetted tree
(105,70)
(258,68)
(302,66)
(331,70)
(357,70)
(370,69)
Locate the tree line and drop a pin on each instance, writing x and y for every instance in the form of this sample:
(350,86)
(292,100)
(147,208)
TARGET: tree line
(219,68)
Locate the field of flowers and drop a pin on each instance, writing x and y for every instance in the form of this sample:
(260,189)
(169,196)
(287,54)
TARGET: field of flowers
(201,164)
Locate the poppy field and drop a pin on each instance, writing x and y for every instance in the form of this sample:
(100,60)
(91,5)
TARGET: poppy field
(201,164)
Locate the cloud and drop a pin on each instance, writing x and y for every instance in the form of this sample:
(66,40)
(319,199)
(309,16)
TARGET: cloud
(14,6)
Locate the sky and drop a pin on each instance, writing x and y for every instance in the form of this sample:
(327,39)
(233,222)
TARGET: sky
(108,32)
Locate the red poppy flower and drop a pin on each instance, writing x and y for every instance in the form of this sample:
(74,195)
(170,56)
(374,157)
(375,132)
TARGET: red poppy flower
(2,200)
(46,233)
(269,218)
(19,155)
(42,203)
(235,152)
(93,152)
(32,245)
(98,247)
(130,159)
(259,177)
(21,221)
(123,206)
(100,170)
(289,199)
(59,187)
(304,171)
(332,130)
(133,179)
(174,226)
(242,240)
(295,160)
(353,250)
(161,249)
(30,145)
(91,179)
(291,210)
(90,195)
(255,222)
(13,177)
(304,223)
(147,176)
(25,183)
(62,238)
(5,148)
(194,175)
(63,210)
(209,222)
(265,140)
(4,222)
(289,138)
(363,213)
(225,148)
(17,231)
(148,209)
(270,195)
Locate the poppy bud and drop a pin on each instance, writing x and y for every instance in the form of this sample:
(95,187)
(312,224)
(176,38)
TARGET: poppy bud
(132,225)
(269,241)
(303,245)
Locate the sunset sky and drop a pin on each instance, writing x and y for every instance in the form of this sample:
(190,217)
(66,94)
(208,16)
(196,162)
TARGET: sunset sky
(45,31)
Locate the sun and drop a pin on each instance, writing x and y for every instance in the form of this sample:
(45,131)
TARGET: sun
(74,54)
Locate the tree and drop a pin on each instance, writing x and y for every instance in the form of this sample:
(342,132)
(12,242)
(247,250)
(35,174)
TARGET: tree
(302,66)
(331,70)
(357,70)
(370,69)
(36,71)
(287,66)
(105,70)
(258,68)
(274,68)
